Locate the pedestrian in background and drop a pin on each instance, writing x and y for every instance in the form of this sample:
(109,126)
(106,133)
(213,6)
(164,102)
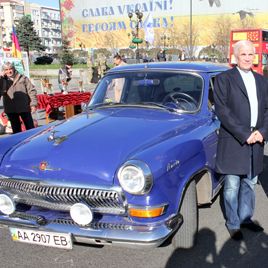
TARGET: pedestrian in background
(117,84)
(19,97)
(182,56)
(241,104)
(118,60)
(161,55)
(64,77)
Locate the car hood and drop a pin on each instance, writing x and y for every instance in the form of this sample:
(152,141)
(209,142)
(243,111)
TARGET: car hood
(89,148)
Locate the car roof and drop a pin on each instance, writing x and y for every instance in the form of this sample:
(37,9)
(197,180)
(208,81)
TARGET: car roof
(165,66)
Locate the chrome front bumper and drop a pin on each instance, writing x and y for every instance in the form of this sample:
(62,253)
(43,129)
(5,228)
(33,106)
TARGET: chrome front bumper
(105,234)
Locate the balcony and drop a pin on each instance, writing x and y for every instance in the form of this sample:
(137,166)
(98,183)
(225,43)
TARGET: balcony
(47,26)
(45,17)
(56,19)
(55,27)
(56,37)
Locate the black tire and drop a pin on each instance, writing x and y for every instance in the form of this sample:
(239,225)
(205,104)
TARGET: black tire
(186,235)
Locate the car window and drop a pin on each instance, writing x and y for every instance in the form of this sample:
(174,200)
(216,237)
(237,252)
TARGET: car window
(185,83)
(115,89)
(210,93)
(181,91)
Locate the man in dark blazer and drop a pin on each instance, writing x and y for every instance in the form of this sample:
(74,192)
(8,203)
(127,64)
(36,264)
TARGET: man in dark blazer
(241,104)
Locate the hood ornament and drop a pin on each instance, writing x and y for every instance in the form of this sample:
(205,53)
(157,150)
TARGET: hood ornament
(57,139)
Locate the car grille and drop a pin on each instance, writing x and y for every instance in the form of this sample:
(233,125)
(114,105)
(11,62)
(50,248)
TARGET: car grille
(95,225)
(61,198)
(98,225)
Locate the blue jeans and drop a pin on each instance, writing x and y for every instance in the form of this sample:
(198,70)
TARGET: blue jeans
(239,199)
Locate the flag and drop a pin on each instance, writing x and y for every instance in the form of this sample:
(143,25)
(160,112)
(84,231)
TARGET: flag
(16,51)
(148,29)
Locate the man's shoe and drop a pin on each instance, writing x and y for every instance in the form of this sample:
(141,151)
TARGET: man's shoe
(235,234)
(252,226)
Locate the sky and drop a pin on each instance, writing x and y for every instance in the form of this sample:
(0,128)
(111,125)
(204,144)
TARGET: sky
(47,3)
(198,6)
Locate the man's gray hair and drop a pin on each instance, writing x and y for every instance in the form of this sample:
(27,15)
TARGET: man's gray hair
(242,43)
(8,65)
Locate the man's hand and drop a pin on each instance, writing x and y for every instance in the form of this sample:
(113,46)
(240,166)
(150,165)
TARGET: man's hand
(254,137)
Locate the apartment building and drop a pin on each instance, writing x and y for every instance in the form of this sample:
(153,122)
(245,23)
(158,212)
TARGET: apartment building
(46,21)
(10,12)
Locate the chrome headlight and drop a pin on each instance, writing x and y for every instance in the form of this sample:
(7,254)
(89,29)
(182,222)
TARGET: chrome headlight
(7,206)
(135,177)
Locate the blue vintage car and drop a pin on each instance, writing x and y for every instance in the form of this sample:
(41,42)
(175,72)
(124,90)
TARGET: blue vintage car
(131,169)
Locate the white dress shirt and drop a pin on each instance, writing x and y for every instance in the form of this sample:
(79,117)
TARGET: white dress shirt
(250,84)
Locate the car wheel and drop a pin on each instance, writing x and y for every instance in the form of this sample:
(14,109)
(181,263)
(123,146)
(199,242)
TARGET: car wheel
(185,236)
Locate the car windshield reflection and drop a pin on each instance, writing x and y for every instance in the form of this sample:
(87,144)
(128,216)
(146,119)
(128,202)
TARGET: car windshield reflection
(181,92)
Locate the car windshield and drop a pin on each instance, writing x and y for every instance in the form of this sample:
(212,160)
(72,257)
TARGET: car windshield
(161,90)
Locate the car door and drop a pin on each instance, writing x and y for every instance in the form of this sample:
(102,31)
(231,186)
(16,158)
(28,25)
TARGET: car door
(211,140)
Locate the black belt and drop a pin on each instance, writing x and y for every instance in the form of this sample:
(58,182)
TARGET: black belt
(253,129)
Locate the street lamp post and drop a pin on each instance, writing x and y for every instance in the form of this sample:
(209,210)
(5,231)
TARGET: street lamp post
(135,33)
(191,30)
(165,39)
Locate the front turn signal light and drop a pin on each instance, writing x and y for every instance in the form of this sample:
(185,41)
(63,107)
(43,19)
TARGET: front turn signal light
(146,212)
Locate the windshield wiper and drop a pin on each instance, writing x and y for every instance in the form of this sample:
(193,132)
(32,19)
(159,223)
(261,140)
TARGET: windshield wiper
(158,105)
(105,104)
(111,104)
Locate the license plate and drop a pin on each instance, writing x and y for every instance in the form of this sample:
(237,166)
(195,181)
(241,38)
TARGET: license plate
(49,239)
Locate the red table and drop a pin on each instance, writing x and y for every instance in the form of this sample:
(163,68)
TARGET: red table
(50,102)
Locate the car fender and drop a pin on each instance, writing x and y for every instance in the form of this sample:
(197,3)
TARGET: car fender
(189,170)
(170,178)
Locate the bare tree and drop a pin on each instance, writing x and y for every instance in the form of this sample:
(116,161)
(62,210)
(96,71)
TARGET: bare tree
(157,38)
(110,40)
(221,34)
(248,22)
(184,38)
